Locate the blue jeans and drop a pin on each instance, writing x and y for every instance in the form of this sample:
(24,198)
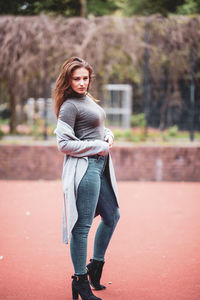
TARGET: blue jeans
(95,195)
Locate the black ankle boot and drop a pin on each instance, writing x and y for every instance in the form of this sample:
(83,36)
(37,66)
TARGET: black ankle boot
(95,268)
(80,286)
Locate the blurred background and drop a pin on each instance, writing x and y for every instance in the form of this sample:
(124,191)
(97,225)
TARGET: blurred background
(146,57)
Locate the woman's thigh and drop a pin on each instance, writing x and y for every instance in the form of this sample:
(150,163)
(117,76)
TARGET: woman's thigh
(88,192)
(107,205)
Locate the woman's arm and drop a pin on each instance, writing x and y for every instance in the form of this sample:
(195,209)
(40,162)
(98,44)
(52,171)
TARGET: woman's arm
(82,148)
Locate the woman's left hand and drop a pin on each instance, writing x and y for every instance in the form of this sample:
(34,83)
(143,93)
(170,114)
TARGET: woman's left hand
(109,140)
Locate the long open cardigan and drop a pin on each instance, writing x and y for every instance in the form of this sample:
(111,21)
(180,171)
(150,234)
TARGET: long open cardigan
(74,167)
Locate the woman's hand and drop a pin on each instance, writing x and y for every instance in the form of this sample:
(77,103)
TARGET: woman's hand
(109,140)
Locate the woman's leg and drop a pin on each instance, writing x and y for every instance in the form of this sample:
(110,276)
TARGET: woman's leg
(87,198)
(109,211)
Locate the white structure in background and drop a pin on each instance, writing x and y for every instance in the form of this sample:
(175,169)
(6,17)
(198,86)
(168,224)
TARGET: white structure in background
(118,104)
(30,110)
(36,107)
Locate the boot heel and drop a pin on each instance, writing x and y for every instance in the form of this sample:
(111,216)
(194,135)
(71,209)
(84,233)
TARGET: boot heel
(81,286)
(74,293)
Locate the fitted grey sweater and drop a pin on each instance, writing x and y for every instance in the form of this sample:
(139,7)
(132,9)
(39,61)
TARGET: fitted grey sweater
(85,116)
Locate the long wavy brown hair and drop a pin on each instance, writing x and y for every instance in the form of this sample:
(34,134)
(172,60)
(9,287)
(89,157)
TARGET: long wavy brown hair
(63,88)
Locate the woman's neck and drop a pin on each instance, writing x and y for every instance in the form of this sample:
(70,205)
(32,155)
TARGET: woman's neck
(73,94)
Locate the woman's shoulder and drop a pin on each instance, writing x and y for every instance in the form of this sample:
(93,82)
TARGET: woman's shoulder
(68,108)
(69,103)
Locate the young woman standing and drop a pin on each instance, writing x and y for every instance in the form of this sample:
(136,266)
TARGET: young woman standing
(88,177)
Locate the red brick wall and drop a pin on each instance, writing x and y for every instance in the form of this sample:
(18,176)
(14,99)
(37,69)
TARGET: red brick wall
(131,163)
(157,163)
(30,162)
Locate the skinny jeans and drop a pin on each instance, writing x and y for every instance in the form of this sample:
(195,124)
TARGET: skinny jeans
(94,195)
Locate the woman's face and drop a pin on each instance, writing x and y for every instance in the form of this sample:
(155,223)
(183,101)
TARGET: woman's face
(80,80)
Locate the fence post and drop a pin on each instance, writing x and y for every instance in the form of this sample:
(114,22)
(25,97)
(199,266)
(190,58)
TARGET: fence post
(147,75)
(45,119)
(45,91)
(192,92)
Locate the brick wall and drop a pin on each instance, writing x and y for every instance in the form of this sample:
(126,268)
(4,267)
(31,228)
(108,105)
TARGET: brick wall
(131,163)
(30,162)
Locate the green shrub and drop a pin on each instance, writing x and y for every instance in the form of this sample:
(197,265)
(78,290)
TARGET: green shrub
(135,138)
(138,120)
(173,131)
(4,121)
(1,133)
(127,134)
(118,134)
(142,136)
(164,136)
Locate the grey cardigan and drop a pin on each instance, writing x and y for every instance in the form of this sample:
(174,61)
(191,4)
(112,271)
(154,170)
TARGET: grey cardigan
(74,167)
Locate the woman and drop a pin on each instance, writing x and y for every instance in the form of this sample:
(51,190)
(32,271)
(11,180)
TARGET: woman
(88,178)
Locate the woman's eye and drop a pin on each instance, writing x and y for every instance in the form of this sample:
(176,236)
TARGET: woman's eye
(77,78)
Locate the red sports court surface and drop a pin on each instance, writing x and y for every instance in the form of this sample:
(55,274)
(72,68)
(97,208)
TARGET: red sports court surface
(154,253)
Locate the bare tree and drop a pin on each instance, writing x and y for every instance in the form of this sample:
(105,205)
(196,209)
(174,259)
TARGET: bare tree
(33,48)
(83,13)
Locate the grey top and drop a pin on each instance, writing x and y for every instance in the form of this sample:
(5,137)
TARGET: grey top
(85,116)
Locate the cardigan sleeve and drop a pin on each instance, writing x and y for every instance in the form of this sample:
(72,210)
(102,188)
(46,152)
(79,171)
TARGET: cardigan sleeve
(82,148)
(69,144)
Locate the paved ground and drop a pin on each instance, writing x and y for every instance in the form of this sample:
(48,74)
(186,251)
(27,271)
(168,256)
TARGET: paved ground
(154,254)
